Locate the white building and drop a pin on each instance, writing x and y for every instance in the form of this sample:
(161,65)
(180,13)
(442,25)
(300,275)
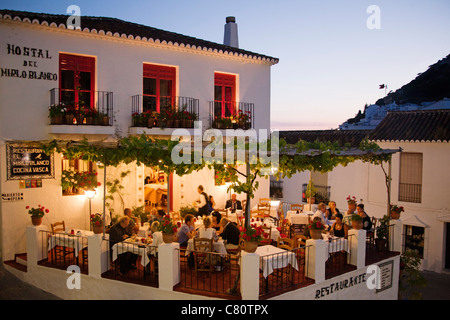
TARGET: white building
(118,68)
(419,179)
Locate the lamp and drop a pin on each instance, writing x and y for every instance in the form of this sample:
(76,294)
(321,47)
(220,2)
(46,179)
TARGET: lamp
(90,193)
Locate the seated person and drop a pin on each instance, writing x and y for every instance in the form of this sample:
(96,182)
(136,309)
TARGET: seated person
(117,234)
(216,217)
(322,209)
(133,227)
(157,237)
(230,234)
(367,223)
(206,231)
(186,231)
(332,211)
(339,229)
(233,203)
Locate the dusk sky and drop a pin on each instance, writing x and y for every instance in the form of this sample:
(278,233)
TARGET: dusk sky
(331,62)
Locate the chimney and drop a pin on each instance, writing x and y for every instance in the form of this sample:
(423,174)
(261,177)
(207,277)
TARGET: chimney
(230,37)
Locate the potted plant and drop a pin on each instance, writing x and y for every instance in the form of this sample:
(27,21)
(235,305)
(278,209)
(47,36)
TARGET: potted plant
(37,214)
(140,213)
(315,229)
(357,222)
(88,180)
(351,202)
(90,116)
(396,211)
(56,113)
(188,210)
(69,114)
(97,223)
(168,229)
(103,119)
(310,192)
(252,237)
(382,233)
(68,181)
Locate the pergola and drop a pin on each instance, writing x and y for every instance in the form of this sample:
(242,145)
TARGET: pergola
(303,156)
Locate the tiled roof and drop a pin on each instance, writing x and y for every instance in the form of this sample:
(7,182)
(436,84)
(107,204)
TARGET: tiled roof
(354,137)
(129,30)
(423,125)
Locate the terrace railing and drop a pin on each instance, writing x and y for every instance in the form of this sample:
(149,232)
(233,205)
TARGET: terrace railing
(234,115)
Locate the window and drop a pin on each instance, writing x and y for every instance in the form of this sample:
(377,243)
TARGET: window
(77,80)
(410,180)
(75,174)
(158,87)
(414,239)
(224,94)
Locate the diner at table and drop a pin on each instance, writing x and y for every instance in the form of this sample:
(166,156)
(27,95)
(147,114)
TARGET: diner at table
(117,234)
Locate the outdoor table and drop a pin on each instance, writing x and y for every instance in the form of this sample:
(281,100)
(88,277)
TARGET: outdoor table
(275,258)
(233,216)
(144,230)
(218,246)
(298,218)
(128,245)
(68,240)
(274,233)
(335,244)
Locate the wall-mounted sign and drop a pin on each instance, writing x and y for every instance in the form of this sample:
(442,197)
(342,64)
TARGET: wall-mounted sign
(28,161)
(386,274)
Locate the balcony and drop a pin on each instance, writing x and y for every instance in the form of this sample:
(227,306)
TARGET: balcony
(176,112)
(231,115)
(94,116)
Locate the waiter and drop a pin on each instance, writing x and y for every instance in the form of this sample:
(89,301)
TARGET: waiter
(202,202)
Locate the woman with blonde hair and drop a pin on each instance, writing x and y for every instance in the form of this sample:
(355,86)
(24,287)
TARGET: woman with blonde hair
(207,231)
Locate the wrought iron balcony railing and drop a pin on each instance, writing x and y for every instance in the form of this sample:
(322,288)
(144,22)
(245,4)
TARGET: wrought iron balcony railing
(231,115)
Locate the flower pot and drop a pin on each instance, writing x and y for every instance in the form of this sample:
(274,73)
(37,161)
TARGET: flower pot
(151,122)
(250,246)
(36,221)
(169,123)
(357,225)
(395,215)
(69,118)
(79,119)
(176,123)
(98,229)
(316,234)
(167,237)
(89,121)
(56,119)
(105,121)
(311,200)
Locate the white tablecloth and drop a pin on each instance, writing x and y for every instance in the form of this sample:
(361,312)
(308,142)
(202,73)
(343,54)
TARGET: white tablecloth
(336,244)
(218,246)
(273,209)
(298,218)
(144,230)
(77,241)
(234,216)
(133,247)
(274,233)
(275,258)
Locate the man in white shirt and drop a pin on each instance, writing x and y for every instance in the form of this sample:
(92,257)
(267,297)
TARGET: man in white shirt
(322,209)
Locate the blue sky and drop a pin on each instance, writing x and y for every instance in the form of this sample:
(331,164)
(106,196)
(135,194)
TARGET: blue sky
(331,63)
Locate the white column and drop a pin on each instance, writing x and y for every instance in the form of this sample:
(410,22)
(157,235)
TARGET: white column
(316,256)
(357,246)
(36,244)
(249,276)
(395,235)
(97,255)
(168,259)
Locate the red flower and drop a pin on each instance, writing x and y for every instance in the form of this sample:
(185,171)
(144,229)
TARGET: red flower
(27,207)
(47,211)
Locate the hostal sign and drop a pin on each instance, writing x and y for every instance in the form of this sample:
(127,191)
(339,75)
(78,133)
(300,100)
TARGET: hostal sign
(25,161)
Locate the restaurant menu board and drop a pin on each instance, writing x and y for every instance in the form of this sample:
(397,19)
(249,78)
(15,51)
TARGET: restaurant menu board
(28,161)
(386,274)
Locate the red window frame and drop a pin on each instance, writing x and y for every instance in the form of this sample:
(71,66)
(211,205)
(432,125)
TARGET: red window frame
(225,84)
(77,64)
(158,73)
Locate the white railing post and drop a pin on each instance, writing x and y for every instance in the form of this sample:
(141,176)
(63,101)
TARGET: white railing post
(97,255)
(395,235)
(250,276)
(36,245)
(168,265)
(357,246)
(316,256)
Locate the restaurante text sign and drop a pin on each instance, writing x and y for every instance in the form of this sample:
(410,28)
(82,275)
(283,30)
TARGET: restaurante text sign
(28,161)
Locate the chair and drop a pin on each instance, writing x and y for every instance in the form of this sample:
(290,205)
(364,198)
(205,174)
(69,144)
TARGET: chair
(176,217)
(261,214)
(285,241)
(300,241)
(202,254)
(296,206)
(58,226)
(285,227)
(370,235)
(264,201)
(268,240)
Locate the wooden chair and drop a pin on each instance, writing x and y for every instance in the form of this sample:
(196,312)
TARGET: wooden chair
(296,206)
(370,235)
(285,227)
(300,241)
(176,217)
(264,201)
(285,241)
(261,214)
(58,226)
(202,254)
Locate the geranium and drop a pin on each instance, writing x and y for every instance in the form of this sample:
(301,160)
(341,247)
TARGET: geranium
(167,225)
(351,199)
(253,234)
(96,219)
(316,225)
(38,212)
(396,208)
(88,180)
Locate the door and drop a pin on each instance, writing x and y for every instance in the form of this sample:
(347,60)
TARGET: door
(224,95)
(158,87)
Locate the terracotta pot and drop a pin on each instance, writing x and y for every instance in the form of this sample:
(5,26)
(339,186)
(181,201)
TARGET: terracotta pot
(79,119)
(69,118)
(312,199)
(250,246)
(167,237)
(151,122)
(395,215)
(56,119)
(36,221)
(357,225)
(105,121)
(97,229)
(316,234)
